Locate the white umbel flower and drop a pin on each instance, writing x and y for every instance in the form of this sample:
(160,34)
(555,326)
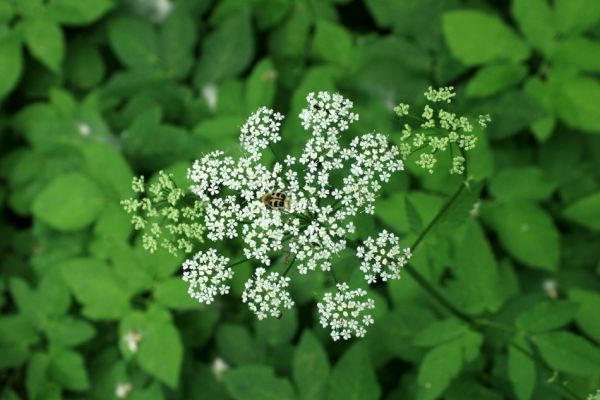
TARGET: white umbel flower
(382,257)
(260,130)
(207,274)
(345,312)
(266,294)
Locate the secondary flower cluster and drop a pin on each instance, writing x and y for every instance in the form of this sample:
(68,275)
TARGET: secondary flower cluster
(437,132)
(301,205)
(167,216)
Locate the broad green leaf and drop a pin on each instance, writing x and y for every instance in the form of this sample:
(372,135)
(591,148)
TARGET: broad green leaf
(332,43)
(69,202)
(568,353)
(76,12)
(96,286)
(575,102)
(494,78)
(15,329)
(11,63)
(580,52)
(275,331)
(527,183)
(440,332)
(261,86)
(257,382)
(36,374)
(585,211)
(539,89)
(84,66)
(310,367)
(353,377)
(412,216)
(27,301)
(134,42)
(116,180)
(237,346)
(290,39)
(269,13)
(68,331)
(160,337)
(172,293)
(587,313)
(53,294)
(13,355)
(573,16)
(476,288)
(226,51)
(67,367)
(46,42)
(437,369)
(462,208)
(177,40)
(521,372)
(546,315)
(527,232)
(536,21)
(469,34)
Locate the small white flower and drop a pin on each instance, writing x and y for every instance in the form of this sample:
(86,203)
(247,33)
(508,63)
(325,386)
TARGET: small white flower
(122,390)
(260,130)
(207,273)
(345,312)
(266,294)
(382,257)
(210,93)
(133,338)
(218,367)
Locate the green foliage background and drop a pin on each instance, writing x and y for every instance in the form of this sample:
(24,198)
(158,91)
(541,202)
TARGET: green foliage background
(94,91)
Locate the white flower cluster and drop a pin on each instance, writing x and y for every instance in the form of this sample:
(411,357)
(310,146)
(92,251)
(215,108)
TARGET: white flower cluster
(261,129)
(345,312)
(266,294)
(382,257)
(437,135)
(206,274)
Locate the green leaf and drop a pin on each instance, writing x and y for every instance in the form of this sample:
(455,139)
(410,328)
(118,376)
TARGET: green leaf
(160,336)
(580,52)
(573,16)
(275,331)
(84,66)
(11,63)
(76,12)
(36,374)
(69,202)
(96,286)
(412,216)
(476,288)
(469,34)
(332,43)
(310,367)
(494,78)
(177,40)
(521,372)
(261,86)
(527,183)
(69,331)
(543,127)
(567,352)
(46,42)
(237,346)
(257,382)
(546,315)
(67,367)
(134,42)
(587,313)
(585,211)
(437,370)
(172,293)
(353,377)
(227,51)
(290,39)
(575,102)
(527,232)
(536,22)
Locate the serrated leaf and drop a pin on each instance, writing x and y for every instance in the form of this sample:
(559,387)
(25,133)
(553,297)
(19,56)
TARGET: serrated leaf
(226,51)
(177,40)
(76,12)
(36,375)
(353,377)
(11,64)
(310,367)
(332,43)
(96,286)
(134,42)
(172,293)
(494,78)
(585,211)
(276,332)
(261,86)
(469,34)
(568,353)
(587,312)
(437,369)
(257,382)
(536,21)
(528,183)
(237,346)
(575,102)
(69,332)
(67,367)
(546,315)
(573,16)
(521,372)
(580,52)
(46,42)
(84,66)
(69,202)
